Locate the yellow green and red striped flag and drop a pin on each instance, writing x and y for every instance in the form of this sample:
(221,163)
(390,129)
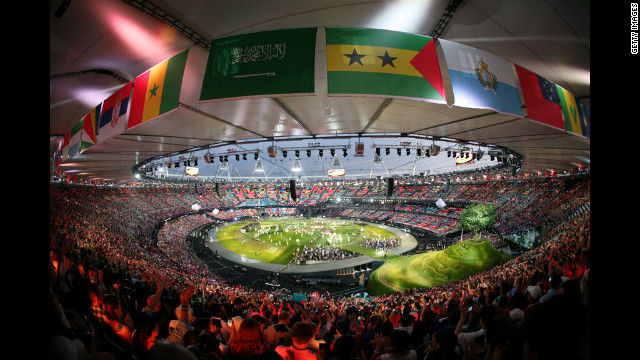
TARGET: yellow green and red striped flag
(382,62)
(157,90)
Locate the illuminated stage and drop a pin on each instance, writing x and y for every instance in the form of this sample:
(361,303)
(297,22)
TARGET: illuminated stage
(408,243)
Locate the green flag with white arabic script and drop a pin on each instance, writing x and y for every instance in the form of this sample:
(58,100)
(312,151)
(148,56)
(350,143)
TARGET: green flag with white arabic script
(264,63)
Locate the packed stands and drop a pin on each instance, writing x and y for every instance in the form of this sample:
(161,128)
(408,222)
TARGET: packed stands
(113,251)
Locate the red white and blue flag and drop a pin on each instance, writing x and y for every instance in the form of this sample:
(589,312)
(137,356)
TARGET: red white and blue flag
(115,113)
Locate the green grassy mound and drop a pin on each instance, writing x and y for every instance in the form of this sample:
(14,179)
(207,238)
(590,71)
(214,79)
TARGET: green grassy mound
(434,268)
(274,240)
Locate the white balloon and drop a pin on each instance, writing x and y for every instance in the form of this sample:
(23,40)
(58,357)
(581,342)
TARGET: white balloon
(215,211)
(440,203)
(195,207)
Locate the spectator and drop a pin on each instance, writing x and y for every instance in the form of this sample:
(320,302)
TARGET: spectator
(112,317)
(344,348)
(302,334)
(218,327)
(444,344)
(145,335)
(274,334)
(554,285)
(247,343)
(238,308)
(206,345)
(400,347)
(533,295)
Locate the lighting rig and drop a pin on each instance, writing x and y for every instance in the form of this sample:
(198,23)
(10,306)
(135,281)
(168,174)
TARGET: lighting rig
(273,150)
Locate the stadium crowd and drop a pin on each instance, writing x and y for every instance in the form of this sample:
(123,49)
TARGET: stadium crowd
(117,294)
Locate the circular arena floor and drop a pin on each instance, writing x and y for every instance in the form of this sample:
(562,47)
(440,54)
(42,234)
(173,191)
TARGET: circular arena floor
(408,243)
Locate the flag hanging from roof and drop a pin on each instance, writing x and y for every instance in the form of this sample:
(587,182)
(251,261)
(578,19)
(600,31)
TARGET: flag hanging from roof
(541,97)
(570,111)
(157,90)
(65,145)
(90,128)
(481,80)
(57,159)
(72,140)
(382,62)
(263,63)
(585,119)
(115,112)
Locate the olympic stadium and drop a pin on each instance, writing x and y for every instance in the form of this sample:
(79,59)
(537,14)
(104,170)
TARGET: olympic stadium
(303,154)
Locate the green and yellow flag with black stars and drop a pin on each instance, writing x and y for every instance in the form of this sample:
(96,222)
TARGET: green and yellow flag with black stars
(382,62)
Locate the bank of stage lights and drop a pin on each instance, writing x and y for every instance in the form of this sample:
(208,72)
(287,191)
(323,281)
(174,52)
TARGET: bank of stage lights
(419,151)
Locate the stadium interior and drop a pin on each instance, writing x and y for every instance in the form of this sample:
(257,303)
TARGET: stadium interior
(139,257)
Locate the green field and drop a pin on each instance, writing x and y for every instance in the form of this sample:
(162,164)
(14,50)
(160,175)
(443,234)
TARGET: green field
(434,268)
(267,241)
(274,241)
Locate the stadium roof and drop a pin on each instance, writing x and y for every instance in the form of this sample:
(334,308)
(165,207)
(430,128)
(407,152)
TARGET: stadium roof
(96,47)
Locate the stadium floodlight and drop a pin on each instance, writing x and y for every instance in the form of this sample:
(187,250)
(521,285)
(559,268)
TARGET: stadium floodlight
(296,166)
(258,167)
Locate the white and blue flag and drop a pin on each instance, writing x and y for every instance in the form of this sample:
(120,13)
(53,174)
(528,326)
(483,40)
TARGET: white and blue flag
(481,80)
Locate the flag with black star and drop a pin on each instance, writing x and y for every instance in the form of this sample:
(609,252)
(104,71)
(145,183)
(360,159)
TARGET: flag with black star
(382,62)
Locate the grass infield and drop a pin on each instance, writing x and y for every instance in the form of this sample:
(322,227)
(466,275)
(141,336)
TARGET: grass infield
(274,240)
(435,268)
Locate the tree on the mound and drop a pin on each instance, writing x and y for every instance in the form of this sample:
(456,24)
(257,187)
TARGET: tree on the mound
(477,218)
